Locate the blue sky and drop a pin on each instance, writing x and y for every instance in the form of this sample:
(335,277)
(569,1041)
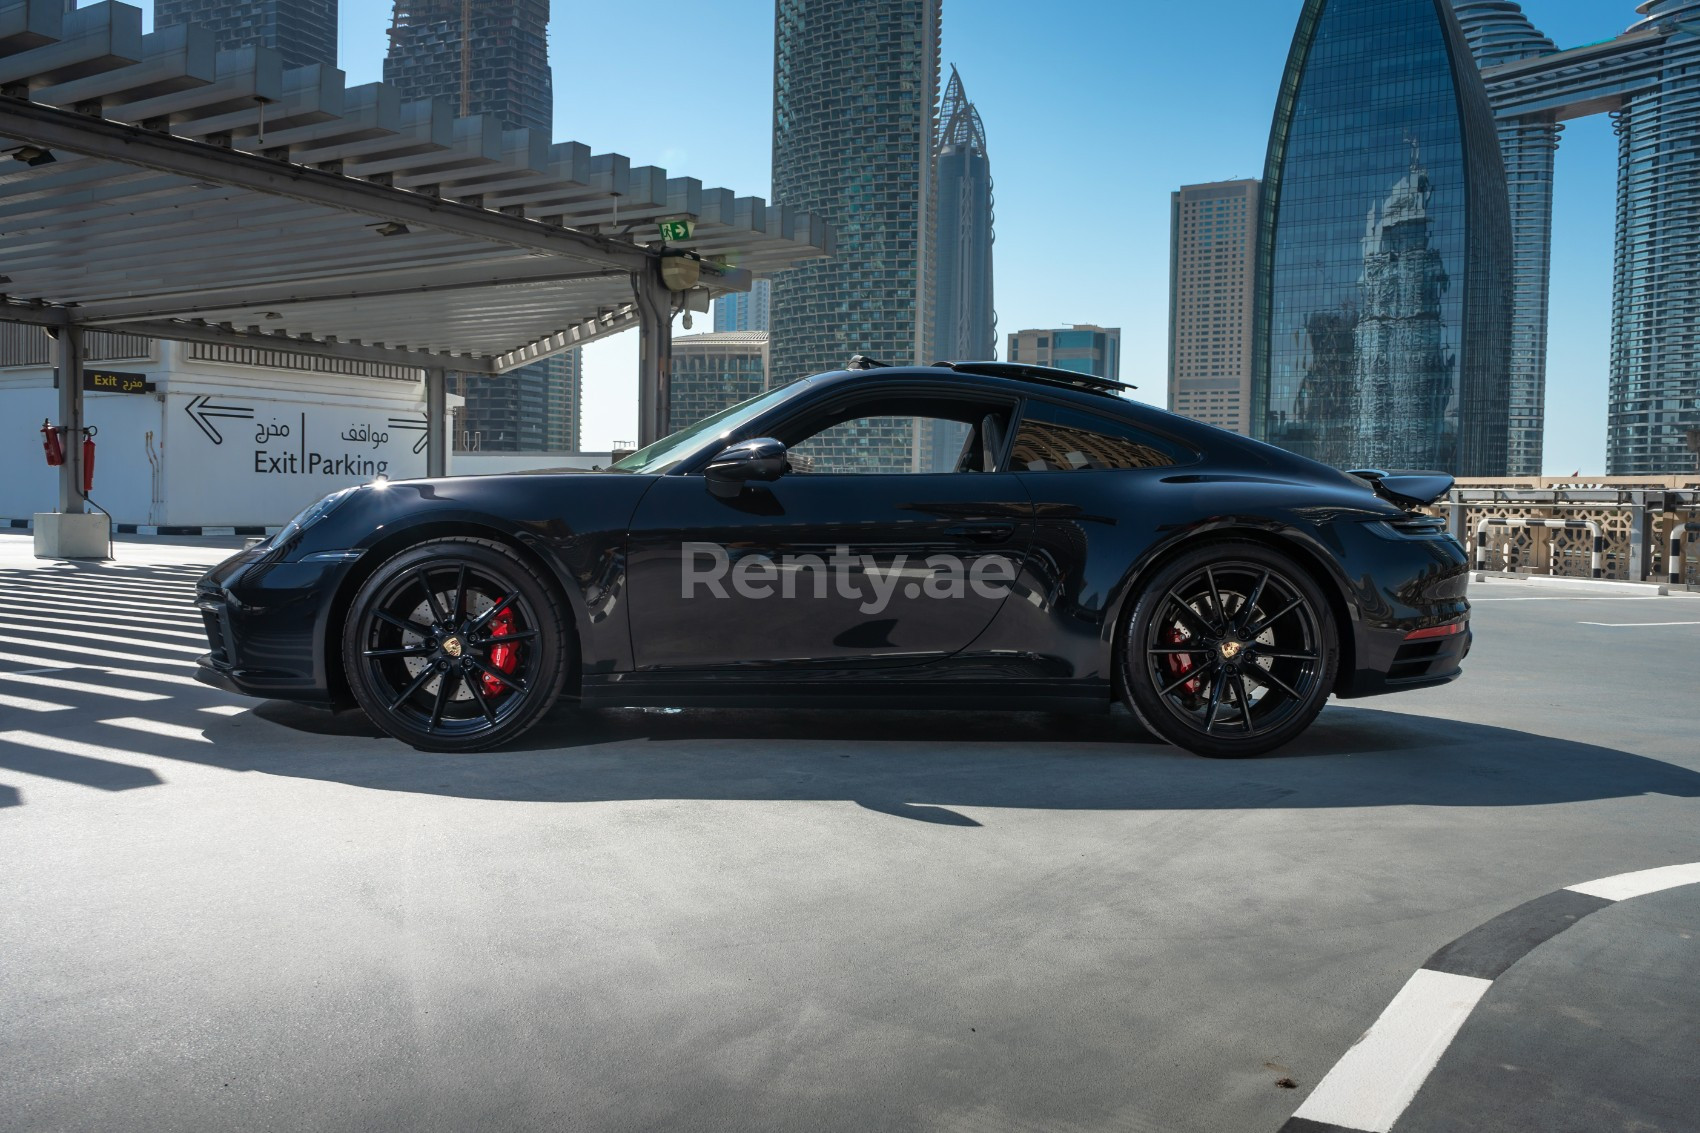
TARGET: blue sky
(1095,110)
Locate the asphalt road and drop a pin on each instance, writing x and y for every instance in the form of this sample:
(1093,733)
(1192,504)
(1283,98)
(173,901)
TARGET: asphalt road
(221,914)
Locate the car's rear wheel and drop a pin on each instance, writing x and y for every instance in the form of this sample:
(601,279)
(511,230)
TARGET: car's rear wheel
(1230,651)
(455,645)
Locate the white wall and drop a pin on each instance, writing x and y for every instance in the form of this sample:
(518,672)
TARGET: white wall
(237,446)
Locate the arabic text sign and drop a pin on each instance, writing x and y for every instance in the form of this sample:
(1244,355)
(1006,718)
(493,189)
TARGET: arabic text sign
(115,381)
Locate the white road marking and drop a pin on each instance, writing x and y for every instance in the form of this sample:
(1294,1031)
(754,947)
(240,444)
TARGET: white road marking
(1623,886)
(57,666)
(1375,1080)
(225,709)
(1631,625)
(77,686)
(158,728)
(1578,598)
(25,705)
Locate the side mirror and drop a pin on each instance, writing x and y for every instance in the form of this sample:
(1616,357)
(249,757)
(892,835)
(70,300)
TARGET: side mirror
(761,459)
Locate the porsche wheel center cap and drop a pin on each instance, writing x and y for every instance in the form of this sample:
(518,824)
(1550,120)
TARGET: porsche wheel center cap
(1231,649)
(451,646)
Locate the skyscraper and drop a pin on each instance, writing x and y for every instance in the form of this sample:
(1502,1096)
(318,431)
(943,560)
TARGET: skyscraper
(855,104)
(712,372)
(967,323)
(499,65)
(1082,347)
(1212,254)
(1648,78)
(303,31)
(1383,293)
(742,310)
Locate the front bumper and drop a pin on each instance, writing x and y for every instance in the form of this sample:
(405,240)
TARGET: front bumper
(266,626)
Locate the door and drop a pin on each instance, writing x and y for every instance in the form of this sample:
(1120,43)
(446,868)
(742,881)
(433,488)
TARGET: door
(831,567)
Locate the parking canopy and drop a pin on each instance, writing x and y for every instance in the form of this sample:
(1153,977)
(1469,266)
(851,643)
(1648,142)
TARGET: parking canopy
(153,185)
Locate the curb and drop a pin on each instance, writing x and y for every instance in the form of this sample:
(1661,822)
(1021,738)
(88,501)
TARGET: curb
(1374,1081)
(156,529)
(1648,588)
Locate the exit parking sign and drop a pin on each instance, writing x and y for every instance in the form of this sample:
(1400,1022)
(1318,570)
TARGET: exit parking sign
(676,230)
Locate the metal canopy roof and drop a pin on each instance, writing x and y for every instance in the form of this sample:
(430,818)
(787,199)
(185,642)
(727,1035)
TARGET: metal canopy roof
(212,195)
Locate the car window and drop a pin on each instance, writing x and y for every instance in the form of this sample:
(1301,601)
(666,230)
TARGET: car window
(915,433)
(667,452)
(1054,438)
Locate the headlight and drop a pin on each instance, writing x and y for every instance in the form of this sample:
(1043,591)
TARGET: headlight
(310,515)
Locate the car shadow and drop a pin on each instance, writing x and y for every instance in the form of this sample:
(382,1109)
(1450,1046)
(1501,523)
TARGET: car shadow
(929,766)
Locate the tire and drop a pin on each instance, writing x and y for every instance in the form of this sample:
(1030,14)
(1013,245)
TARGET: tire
(456,645)
(1255,633)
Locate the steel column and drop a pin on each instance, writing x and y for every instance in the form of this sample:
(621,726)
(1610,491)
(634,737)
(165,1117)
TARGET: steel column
(71,417)
(655,353)
(436,421)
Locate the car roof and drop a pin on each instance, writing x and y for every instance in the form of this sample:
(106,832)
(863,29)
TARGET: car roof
(1066,386)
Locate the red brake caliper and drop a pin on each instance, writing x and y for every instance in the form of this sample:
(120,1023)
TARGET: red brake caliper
(1180,664)
(504,658)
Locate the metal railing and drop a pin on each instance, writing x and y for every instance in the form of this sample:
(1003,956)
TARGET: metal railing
(1636,529)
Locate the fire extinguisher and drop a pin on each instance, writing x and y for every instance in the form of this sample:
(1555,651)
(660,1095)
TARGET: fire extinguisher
(88,458)
(50,443)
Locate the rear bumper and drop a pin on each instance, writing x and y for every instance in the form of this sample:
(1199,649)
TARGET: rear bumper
(1396,663)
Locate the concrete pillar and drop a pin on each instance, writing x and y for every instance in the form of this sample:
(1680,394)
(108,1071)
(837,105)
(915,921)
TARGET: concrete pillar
(71,532)
(655,353)
(71,416)
(436,421)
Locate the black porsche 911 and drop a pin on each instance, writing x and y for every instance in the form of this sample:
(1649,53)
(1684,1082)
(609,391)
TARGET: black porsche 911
(1084,550)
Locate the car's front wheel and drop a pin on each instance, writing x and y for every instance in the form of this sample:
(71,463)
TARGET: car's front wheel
(455,645)
(1231,650)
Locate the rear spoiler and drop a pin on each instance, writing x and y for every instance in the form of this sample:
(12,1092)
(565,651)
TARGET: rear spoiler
(1404,488)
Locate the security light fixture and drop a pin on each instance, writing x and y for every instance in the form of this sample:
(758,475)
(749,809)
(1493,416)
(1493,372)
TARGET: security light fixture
(33,156)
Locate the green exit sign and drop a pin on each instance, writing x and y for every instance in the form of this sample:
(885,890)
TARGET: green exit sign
(676,230)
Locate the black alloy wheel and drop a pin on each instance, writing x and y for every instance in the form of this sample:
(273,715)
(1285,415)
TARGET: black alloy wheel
(455,645)
(1231,651)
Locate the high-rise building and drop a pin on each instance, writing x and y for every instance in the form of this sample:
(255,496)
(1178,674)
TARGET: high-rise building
(1212,286)
(743,310)
(533,409)
(1648,79)
(303,31)
(715,371)
(499,65)
(1383,293)
(855,105)
(1082,347)
(967,323)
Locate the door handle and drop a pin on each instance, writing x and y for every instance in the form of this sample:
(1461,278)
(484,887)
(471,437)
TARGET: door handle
(981,532)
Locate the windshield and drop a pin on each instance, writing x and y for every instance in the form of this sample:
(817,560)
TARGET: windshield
(667,452)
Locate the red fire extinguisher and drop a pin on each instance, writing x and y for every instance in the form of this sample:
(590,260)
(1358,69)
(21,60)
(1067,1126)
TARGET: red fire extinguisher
(50,442)
(88,458)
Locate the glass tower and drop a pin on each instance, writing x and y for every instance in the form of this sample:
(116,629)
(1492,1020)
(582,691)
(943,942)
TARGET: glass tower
(303,31)
(715,371)
(1498,33)
(967,323)
(1655,341)
(1382,315)
(855,113)
(742,310)
(497,64)
(1648,79)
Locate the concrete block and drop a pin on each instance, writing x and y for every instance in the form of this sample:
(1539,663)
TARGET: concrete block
(64,535)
